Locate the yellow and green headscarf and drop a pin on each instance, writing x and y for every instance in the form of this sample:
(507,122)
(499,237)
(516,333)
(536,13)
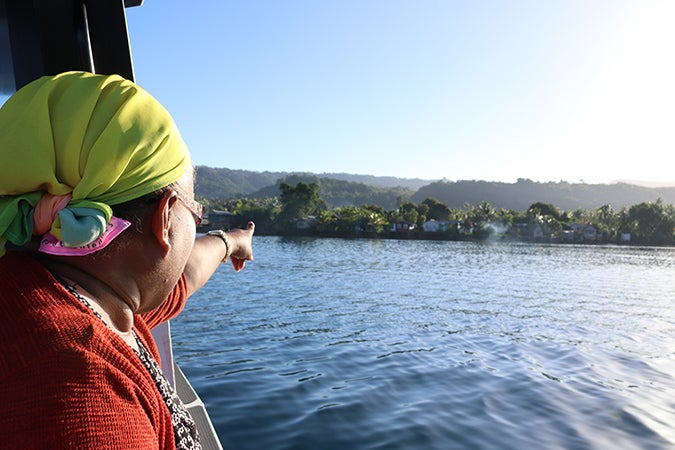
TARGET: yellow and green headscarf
(73,145)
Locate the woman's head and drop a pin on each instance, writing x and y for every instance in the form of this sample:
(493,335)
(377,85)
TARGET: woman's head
(88,141)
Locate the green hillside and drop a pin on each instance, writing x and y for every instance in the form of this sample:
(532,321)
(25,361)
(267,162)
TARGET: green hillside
(344,189)
(338,193)
(226,184)
(520,195)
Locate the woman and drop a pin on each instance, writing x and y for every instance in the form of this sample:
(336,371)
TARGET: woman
(97,232)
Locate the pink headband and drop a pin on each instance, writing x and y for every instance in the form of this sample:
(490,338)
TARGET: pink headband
(44,214)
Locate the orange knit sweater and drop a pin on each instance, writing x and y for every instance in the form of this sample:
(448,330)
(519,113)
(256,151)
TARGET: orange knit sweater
(66,380)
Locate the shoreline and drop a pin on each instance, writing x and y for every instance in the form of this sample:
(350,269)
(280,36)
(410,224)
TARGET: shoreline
(436,236)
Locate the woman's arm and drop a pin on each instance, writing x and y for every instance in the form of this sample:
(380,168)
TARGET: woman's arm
(209,251)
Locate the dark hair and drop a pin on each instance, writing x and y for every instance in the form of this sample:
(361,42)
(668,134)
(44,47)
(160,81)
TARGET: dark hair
(135,210)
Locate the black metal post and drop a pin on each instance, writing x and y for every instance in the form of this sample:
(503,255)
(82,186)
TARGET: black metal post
(46,37)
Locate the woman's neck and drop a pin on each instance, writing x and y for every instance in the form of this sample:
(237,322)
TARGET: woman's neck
(111,304)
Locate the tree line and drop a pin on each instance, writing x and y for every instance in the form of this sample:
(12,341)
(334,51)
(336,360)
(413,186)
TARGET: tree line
(645,223)
(344,189)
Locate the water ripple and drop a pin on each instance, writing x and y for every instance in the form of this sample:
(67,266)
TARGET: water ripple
(436,345)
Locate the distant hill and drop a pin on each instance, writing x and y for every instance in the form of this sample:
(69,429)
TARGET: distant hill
(224,184)
(338,193)
(520,195)
(649,184)
(381,182)
(339,189)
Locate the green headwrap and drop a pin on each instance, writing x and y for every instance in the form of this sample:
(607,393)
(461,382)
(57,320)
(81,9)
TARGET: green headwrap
(102,139)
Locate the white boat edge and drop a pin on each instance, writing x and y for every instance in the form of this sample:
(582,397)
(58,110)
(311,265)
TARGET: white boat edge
(187,394)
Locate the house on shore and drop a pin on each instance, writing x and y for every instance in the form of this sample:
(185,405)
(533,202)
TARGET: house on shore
(307,223)
(217,219)
(589,233)
(402,227)
(578,232)
(537,232)
(439,226)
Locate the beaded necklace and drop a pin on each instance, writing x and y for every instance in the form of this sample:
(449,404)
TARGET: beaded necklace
(185,429)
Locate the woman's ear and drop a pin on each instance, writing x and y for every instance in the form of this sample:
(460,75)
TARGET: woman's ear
(161,221)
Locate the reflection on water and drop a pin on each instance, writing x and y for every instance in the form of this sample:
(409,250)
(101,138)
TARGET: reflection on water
(326,343)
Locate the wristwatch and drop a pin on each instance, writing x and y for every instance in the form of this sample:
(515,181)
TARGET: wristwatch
(226,239)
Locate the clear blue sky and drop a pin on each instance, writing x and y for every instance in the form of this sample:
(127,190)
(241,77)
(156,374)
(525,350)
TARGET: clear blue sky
(495,90)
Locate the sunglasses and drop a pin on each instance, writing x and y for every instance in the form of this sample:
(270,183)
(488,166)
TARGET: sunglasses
(195,208)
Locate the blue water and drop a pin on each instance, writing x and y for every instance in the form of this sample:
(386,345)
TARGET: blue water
(382,344)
